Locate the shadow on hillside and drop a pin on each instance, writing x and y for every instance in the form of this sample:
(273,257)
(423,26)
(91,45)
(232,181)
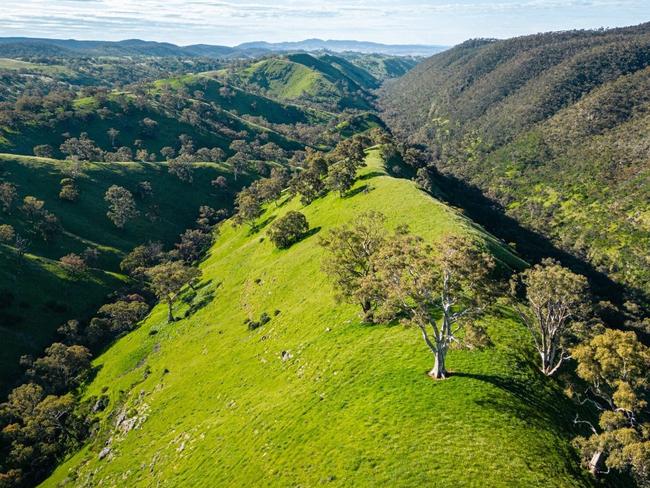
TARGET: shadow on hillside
(531,245)
(536,403)
(537,406)
(357,191)
(371,175)
(311,232)
(260,225)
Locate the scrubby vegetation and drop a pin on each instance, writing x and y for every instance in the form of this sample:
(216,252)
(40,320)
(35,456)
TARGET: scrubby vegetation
(552,128)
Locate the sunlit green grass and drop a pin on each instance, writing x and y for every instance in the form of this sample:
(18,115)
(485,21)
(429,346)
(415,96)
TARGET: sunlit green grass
(351,404)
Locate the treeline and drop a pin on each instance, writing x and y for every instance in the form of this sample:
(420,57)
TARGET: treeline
(311,175)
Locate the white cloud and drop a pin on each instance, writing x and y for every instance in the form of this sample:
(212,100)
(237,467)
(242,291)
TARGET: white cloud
(234,21)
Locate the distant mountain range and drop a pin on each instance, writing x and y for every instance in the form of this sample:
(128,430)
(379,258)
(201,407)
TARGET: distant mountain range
(28,46)
(341,46)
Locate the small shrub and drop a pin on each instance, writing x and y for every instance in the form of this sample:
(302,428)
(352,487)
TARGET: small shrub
(288,230)
(7,233)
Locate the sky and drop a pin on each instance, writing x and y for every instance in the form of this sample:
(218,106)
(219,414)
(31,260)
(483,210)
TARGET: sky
(231,22)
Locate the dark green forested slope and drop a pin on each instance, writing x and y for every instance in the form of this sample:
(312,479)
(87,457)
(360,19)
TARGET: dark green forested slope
(555,127)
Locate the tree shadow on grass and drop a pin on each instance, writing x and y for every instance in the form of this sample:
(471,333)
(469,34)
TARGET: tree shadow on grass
(311,232)
(202,301)
(537,403)
(356,191)
(371,175)
(260,225)
(537,406)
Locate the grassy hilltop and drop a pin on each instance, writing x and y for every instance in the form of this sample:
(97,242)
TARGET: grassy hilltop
(314,396)
(44,295)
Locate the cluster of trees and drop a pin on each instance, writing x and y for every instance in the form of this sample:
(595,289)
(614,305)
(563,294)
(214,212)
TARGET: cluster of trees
(313,176)
(40,222)
(99,72)
(43,418)
(444,288)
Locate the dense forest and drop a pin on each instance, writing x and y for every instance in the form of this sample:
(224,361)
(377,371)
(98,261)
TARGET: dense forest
(553,128)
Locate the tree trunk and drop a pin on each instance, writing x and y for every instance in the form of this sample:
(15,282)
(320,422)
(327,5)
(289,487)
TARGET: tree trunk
(594,462)
(368,315)
(170,316)
(439,371)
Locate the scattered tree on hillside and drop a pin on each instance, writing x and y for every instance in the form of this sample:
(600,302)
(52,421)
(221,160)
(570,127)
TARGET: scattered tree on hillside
(167,279)
(49,226)
(308,184)
(82,148)
(349,258)
(238,161)
(209,217)
(69,190)
(220,182)
(144,190)
(7,234)
(412,280)
(123,314)
(182,167)
(148,127)
(193,243)
(288,230)
(556,299)
(248,207)
(142,257)
(340,177)
(8,196)
(143,155)
(32,207)
(616,365)
(62,367)
(168,152)
(351,151)
(43,151)
(121,206)
(21,244)
(74,264)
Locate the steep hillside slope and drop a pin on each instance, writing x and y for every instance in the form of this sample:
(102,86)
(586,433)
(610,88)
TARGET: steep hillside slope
(554,127)
(39,296)
(314,396)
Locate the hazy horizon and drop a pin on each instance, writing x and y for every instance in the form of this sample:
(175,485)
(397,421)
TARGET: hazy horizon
(233,22)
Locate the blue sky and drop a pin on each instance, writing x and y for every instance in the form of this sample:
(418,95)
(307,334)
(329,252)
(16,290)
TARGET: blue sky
(230,22)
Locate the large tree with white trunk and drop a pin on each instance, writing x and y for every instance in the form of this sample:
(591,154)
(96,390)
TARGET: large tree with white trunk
(438,290)
(554,301)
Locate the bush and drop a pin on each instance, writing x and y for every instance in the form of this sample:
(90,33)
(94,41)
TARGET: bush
(288,230)
(7,233)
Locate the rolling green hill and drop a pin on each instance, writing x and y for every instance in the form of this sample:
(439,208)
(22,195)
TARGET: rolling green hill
(314,396)
(217,126)
(553,127)
(328,81)
(43,295)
